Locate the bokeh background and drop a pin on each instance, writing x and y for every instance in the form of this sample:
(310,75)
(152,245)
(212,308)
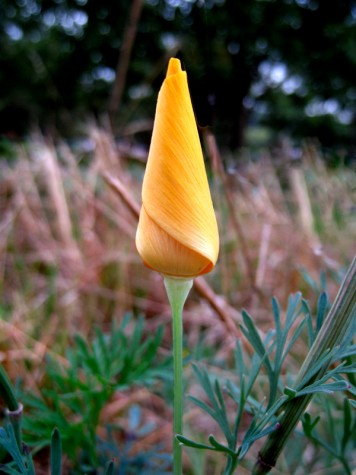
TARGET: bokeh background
(273,67)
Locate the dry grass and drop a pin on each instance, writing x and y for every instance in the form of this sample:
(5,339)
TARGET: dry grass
(68,261)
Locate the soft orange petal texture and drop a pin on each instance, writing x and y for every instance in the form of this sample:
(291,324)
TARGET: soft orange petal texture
(177,233)
(163,253)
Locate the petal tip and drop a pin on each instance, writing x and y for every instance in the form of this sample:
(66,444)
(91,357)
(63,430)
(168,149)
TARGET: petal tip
(174,67)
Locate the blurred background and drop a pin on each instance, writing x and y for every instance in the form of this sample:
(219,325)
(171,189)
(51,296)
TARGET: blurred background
(259,70)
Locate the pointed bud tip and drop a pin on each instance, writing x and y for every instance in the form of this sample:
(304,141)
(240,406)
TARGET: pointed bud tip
(174,67)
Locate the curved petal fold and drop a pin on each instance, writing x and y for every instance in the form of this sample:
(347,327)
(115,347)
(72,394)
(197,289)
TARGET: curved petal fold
(177,219)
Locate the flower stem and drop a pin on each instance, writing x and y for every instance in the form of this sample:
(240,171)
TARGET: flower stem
(177,291)
(332,332)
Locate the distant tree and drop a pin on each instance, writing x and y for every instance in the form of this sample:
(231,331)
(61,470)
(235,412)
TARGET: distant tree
(58,60)
(275,61)
(286,63)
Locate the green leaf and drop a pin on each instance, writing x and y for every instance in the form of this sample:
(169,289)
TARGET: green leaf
(270,414)
(293,310)
(309,424)
(203,406)
(292,313)
(308,316)
(217,410)
(310,281)
(102,354)
(56,453)
(220,447)
(253,337)
(239,361)
(219,395)
(348,431)
(290,392)
(276,314)
(264,432)
(191,443)
(323,388)
(253,436)
(8,441)
(321,311)
(296,335)
(205,383)
(9,470)
(325,359)
(110,468)
(251,405)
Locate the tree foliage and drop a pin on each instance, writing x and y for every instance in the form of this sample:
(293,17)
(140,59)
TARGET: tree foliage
(285,63)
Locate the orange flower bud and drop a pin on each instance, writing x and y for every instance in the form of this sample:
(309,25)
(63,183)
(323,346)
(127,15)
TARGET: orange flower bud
(177,233)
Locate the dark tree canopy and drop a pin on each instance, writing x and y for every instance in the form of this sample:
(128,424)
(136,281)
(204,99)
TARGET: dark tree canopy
(286,64)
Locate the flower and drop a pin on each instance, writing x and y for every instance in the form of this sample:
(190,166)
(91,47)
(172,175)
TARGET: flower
(177,233)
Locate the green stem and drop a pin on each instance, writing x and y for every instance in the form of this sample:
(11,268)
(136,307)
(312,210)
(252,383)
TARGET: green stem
(336,324)
(346,466)
(232,465)
(332,332)
(177,291)
(15,419)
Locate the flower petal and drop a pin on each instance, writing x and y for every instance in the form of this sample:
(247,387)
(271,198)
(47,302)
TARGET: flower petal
(175,194)
(166,255)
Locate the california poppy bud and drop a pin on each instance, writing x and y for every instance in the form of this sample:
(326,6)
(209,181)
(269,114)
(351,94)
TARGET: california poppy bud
(177,233)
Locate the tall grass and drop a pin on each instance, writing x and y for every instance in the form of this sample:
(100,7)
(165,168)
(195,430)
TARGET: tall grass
(68,262)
